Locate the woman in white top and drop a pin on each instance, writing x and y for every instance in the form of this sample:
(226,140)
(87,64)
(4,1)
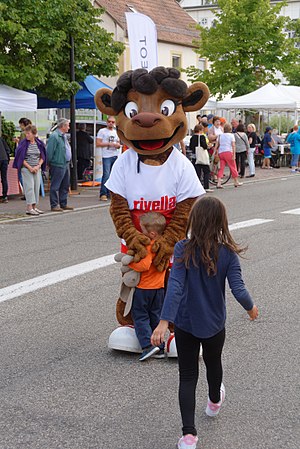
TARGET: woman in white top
(225,148)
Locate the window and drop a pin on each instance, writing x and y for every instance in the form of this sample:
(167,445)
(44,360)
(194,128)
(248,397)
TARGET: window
(203,21)
(176,62)
(201,64)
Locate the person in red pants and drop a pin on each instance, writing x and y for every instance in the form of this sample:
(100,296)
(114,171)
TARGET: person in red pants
(225,148)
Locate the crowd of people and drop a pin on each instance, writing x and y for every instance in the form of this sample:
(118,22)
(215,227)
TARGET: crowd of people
(233,144)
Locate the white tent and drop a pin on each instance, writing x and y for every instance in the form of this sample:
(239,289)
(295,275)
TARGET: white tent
(266,97)
(292,91)
(211,104)
(12,99)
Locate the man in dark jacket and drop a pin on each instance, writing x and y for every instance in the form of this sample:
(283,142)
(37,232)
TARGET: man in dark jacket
(84,149)
(4,161)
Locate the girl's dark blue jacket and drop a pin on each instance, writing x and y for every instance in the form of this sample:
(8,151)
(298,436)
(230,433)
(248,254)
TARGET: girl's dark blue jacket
(195,302)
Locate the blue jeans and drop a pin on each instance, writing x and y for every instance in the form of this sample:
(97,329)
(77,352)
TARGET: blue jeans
(59,188)
(295,159)
(107,163)
(3,172)
(145,312)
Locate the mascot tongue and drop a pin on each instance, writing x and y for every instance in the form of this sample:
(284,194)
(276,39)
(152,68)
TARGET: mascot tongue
(151,144)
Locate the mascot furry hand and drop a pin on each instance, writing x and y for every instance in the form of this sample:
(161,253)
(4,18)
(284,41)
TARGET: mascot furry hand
(152,175)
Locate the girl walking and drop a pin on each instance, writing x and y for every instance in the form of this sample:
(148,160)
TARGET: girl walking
(195,303)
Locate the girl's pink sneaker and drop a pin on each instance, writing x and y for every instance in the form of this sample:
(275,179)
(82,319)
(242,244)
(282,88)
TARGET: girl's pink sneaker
(187,442)
(213,409)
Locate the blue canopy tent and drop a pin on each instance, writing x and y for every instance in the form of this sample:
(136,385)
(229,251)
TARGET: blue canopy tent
(84,99)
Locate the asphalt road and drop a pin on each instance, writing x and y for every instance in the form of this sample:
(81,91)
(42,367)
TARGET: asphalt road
(61,387)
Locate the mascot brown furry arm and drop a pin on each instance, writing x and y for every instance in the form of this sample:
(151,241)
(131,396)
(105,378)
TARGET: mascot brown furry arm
(136,241)
(152,175)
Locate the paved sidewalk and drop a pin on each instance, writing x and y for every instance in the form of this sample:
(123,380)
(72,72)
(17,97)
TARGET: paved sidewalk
(85,197)
(88,197)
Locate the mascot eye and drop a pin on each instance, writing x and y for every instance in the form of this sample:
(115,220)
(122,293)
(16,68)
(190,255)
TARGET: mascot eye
(167,107)
(131,109)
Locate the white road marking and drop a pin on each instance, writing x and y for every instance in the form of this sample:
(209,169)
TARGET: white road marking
(22,288)
(292,211)
(31,285)
(247,223)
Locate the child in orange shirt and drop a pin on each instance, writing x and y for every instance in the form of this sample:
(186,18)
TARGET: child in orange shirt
(148,296)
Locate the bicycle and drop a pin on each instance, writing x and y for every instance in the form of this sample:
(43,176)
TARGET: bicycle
(213,176)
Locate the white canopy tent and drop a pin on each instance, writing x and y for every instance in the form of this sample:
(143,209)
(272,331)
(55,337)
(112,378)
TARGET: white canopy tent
(12,99)
(291,91)
(267,97)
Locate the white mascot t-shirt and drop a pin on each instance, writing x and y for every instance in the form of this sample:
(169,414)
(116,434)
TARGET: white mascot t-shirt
(154,188)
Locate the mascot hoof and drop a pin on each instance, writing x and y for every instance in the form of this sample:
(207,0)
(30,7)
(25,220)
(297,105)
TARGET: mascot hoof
(124,339)
(171,347)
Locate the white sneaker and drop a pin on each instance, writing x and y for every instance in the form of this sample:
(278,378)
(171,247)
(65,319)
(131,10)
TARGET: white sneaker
(32,212)
(213,409)
(187,442)
(39,211)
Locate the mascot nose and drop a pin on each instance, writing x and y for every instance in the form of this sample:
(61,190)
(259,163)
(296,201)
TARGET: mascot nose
(146,119)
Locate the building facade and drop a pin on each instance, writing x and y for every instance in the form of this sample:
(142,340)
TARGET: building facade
(175,31)
(202,11)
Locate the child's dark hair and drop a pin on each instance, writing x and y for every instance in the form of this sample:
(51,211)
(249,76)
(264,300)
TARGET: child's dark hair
(207,229)
(153,221)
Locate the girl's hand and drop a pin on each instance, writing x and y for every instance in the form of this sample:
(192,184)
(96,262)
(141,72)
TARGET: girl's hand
(159,333)
(253,313)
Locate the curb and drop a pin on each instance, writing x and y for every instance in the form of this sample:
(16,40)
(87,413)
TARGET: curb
(52,214)
(97,206)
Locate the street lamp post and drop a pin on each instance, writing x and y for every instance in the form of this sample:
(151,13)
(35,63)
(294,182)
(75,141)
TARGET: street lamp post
(73,120)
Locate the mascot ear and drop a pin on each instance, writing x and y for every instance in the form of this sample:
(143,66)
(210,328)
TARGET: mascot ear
(197,96)
(103,101)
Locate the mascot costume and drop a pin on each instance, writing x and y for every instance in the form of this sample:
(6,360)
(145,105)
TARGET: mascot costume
(152,175)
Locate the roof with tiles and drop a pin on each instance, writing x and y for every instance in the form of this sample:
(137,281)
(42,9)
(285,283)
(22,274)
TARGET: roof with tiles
(173,24)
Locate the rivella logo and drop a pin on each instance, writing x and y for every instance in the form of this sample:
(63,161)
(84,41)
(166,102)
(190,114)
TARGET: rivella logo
(164,203)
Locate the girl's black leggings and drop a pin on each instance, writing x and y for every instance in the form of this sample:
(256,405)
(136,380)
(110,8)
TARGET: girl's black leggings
(188,348)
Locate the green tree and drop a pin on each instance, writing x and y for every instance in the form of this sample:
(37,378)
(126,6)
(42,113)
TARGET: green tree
(292,71)
(35,45)
(245,46)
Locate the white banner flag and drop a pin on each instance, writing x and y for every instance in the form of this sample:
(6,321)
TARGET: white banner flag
(142,41)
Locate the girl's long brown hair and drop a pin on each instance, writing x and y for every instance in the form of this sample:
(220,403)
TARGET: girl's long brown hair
(207,229)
